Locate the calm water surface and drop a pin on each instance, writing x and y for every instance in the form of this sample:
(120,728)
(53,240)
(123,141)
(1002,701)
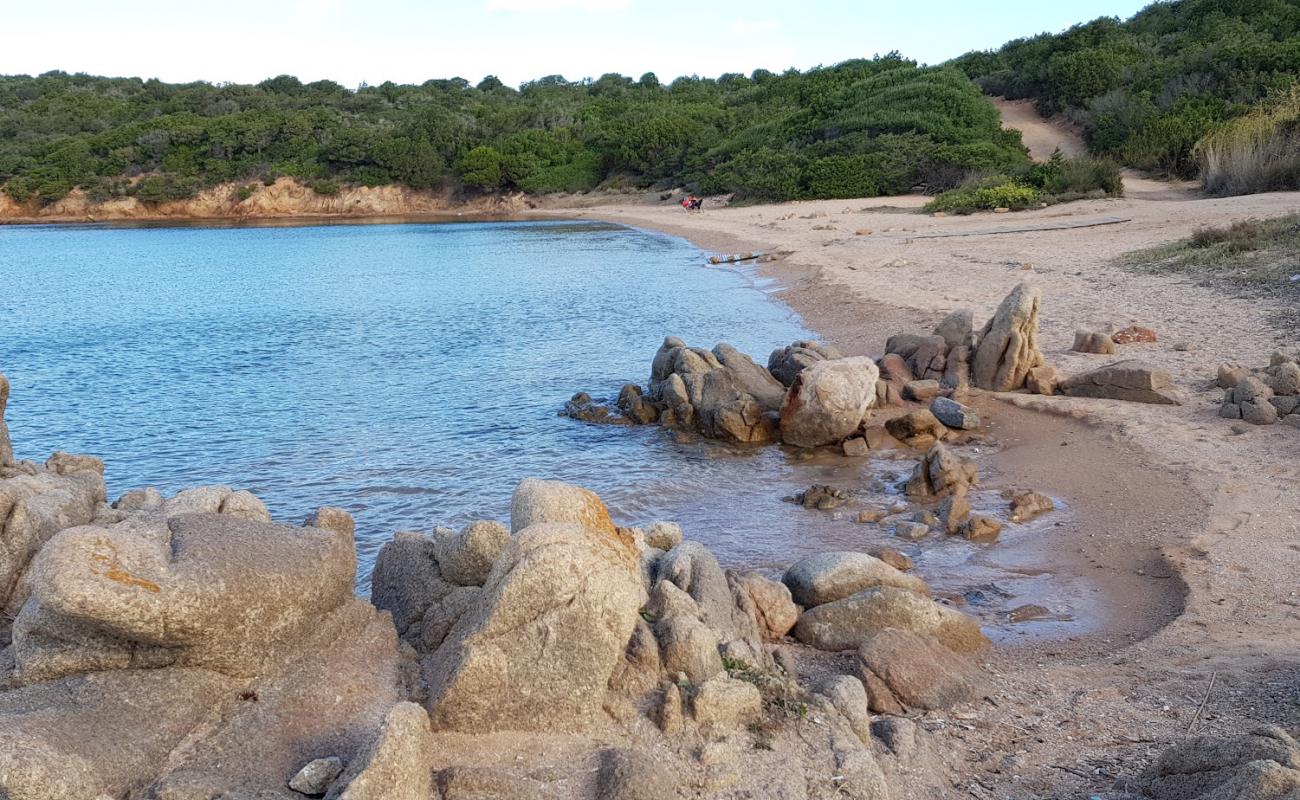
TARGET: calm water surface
(412,374)
(408,373)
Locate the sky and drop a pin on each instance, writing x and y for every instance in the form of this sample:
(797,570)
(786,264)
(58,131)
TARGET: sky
(410,41)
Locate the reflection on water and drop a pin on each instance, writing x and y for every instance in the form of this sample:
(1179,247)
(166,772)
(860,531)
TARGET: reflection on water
(408,373)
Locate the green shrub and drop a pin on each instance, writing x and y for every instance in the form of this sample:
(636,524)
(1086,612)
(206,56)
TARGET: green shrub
(482,168)
(242,193)
(164,188)
(325,186)
(986,195)
(1076,176)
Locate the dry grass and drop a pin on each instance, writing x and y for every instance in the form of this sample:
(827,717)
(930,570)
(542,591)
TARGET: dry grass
(1259,152)
(1253,258)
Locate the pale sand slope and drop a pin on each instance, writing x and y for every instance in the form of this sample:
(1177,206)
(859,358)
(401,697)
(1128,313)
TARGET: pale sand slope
(1117,703)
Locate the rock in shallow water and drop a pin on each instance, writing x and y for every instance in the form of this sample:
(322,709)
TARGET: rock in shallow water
(828,402)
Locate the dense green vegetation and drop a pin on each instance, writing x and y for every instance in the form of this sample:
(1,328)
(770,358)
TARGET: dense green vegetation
(867,127)
(1147,90)
(1056,180)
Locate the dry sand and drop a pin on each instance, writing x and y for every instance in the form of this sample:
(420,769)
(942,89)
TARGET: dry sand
(1194,532)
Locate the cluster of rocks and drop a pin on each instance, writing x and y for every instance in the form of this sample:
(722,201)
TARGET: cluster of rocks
(1104,342)
(191,647)
(1264,396)
(809,395)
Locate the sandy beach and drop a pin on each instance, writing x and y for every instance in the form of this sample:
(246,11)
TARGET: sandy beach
(1192,526)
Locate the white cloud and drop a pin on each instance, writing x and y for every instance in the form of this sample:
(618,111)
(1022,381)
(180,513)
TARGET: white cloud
(557,5)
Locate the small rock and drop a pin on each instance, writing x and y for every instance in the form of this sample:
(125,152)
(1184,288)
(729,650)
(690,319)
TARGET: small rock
(1240,429)
(1043,380)
(1027,612)
(827,577)
(1230,375)
(980,528)
(1093,342)
(856,447)
(1132,381)
(893,558)
(315,778)
(872,515)
(921,391)
(1028,505)
(954,414)
(1185,347)
(954,512)
(1259,413)
(912,531)
(1133,333)
(723,703)
(663,535)
(820,496)
(918,429)
(920,671)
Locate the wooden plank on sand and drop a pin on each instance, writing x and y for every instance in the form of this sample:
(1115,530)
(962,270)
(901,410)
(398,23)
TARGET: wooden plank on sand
(1047,226)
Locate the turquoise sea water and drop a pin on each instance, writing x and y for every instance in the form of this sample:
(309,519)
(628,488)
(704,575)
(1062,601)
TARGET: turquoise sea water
(410,373)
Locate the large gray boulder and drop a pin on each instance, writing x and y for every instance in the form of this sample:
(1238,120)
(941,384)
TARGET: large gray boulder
(750,378)
(104,734)
(926,356)
(1008,344)
(1133,381)
(828,401)
(398,763)
(406,580)
(34,507)
(724,411)
(827,577)
(538,651)
(203,590)
(786,363)
(536,501)
(919,671)
(694,570)
(847,624)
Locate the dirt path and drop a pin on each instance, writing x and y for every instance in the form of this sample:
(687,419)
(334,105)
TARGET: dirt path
(1045,136)
(1042,137)
(1072,716)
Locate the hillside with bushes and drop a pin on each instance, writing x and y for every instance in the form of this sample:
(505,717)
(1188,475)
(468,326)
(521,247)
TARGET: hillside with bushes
(1148,90)
(860,128)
